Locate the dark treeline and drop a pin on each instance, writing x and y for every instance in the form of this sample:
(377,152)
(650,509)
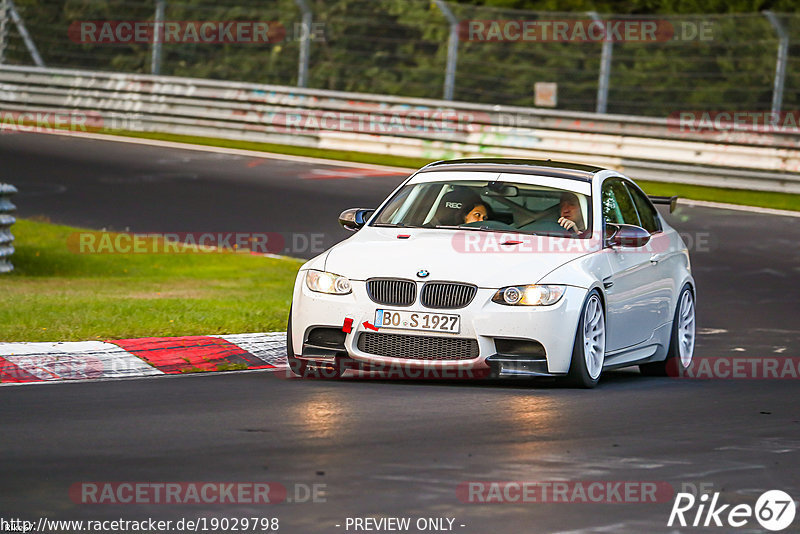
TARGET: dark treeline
(717,54)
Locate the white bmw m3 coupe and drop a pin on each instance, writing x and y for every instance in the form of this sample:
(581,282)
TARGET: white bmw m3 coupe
(504,268)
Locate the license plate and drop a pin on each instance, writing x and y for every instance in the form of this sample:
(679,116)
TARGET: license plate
(408,320)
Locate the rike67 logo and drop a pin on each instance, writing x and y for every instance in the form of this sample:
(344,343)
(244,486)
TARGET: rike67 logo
(774,510)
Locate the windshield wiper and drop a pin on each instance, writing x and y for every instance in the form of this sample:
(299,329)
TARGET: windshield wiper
(398,225)
(481,228)
(450,227)
(494,230)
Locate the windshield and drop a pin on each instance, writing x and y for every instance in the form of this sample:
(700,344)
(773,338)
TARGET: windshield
(490,206)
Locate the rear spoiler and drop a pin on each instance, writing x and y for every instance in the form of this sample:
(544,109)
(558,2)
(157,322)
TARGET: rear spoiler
(672,201)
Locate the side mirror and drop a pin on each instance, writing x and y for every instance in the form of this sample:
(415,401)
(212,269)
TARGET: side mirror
(354,218)
(626,235)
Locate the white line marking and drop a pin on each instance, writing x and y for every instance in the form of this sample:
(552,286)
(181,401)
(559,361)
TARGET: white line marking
(271,348)
(711,331)
(148,377)
(224,150)
(737,207)
(83,361)
(75,360)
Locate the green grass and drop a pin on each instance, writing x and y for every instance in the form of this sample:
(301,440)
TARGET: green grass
(58,295)
(764,199)
(767,199)
(339,155)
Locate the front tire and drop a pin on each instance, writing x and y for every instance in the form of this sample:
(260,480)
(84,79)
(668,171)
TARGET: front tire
(682,338)
(588,353)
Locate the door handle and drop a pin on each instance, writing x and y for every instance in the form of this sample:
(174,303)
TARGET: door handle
(655,258)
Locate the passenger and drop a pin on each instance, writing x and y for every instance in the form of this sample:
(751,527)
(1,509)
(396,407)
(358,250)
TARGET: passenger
(477,212)
(453,205)
(570,213)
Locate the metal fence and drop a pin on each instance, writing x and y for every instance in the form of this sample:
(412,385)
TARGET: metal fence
(35,99)
(6,220)
(437,49)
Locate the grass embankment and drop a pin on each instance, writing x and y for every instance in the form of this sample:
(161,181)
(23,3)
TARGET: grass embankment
(55,294)
(766,199)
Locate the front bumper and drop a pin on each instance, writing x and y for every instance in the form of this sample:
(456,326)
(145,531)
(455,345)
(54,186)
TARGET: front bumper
(484,321)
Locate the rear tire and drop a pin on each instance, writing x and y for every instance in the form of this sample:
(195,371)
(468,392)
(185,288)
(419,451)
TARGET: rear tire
(588,353)
(681,343)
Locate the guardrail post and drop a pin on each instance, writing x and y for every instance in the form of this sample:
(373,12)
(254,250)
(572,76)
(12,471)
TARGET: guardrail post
(305,43)
(6,220)
(23,31)
(158,34)
(605,68)
(780,63)
(452,50)
(3,30)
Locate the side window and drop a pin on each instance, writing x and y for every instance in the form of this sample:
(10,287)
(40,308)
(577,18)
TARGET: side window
(618,207)
(611,213)
(647,213)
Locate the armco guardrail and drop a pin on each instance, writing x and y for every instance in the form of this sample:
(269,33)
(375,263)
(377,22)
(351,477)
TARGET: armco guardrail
(645,148)
(6,220)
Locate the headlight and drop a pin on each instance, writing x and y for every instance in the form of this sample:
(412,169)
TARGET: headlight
(530,295)
(330,283)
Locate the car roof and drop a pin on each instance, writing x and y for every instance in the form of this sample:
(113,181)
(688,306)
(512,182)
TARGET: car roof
(556,169)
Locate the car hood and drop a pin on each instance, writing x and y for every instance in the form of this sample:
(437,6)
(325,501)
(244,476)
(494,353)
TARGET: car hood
(465,256)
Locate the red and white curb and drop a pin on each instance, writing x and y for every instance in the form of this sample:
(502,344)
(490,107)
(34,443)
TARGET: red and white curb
(127,358)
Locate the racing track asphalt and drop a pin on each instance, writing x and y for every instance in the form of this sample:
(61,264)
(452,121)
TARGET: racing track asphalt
(393,448)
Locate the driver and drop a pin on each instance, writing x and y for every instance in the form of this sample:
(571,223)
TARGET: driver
(570,213)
